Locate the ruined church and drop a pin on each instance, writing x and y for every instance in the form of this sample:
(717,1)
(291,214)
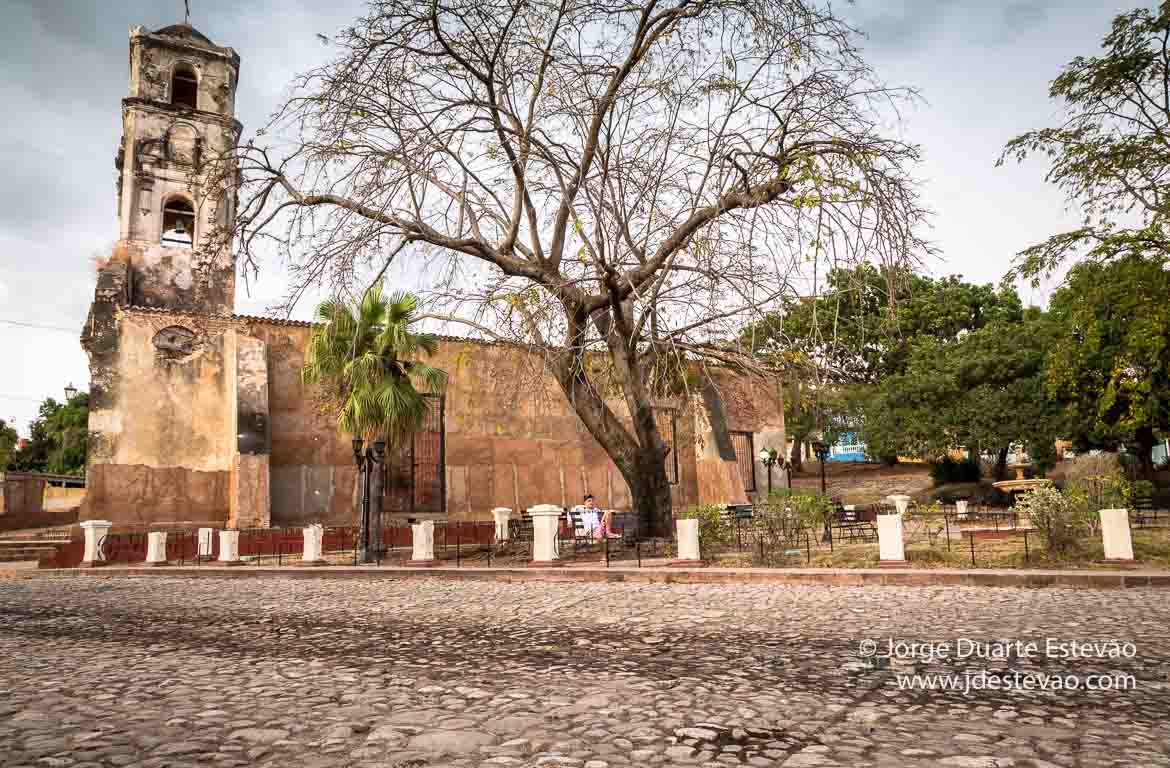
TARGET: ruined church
(199,415)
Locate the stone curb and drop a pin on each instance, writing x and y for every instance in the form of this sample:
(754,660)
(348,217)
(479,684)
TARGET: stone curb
(831,577)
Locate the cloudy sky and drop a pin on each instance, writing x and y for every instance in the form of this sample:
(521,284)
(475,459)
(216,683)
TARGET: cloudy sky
(982,67)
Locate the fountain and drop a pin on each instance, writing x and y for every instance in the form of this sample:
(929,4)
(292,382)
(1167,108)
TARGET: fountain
(1020,484)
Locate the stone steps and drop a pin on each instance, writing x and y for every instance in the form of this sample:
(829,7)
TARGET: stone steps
(16,550)
(53,533)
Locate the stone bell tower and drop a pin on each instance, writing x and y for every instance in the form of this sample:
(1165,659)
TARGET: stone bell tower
(178,386)
(175,192)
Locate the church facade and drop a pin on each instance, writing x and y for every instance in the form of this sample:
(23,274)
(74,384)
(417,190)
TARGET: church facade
(199,415)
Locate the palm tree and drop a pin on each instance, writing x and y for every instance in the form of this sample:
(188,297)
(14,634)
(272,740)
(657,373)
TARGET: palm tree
(367,361)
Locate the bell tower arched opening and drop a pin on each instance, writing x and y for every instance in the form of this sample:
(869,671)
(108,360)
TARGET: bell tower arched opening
(185,87)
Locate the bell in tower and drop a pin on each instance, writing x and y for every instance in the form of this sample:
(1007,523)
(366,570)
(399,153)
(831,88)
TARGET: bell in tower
(174,210)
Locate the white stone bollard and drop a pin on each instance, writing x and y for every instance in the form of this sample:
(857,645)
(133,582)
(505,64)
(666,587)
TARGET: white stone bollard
(1115,535)
(95,531)
(423,543)
(501,515)
(314,535)
(687,539)
(901,501)
(156,548)
(891,549)
(205,542)
(229,548)
(546,518)
(961,509)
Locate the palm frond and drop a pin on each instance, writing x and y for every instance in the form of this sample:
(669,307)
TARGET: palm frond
(366,353)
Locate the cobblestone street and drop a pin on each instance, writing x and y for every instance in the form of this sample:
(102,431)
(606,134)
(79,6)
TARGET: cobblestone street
(162,671)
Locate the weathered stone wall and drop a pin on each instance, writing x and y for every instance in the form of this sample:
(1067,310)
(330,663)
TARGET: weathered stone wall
(737,404)
(312,471)
(511,437)
(162,431)
(208,419)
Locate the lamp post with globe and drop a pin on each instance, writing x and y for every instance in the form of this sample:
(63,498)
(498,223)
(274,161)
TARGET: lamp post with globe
(367,461)
(770,458)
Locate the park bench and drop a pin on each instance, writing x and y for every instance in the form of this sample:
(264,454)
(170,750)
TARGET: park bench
(521,530)
(850,523)
(740,511)
(1144,512)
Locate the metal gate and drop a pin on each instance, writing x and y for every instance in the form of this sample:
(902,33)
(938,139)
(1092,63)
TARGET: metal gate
(415,468)
(745,457)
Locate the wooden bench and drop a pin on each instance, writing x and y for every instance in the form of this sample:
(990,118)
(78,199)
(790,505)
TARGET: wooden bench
(853,524)
(1144,512)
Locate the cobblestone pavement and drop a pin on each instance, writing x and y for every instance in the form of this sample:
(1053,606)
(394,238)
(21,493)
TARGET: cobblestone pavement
(161,671)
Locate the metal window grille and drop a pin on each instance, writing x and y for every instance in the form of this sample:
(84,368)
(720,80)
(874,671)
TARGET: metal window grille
(667,421)
(745,456)
(416,474)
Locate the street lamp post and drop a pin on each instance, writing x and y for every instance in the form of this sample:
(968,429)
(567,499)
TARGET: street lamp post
(366,461)
(821,448)
(70,392)
(769,458)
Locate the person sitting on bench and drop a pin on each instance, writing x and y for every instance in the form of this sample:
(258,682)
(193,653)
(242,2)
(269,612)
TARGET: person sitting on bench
(587,513)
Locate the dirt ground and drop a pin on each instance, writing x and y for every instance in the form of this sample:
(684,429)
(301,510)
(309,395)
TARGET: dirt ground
(863,483)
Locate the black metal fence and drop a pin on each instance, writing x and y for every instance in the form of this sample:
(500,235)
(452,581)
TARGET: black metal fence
(935,535)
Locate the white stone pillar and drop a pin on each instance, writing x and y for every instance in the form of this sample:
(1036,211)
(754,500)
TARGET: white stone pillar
(891,549)
(205,542)
(95,531)
(423,543)
(229,548)
(156,548)
(961,509)
(502,515)
(1115,535)
(901,501)
(314,536)
(546,519)
(687,542)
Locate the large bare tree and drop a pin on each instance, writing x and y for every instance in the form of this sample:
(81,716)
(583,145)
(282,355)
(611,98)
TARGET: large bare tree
(617,184)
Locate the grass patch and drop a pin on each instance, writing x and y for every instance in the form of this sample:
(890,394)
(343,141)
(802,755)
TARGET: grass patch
(1151,550)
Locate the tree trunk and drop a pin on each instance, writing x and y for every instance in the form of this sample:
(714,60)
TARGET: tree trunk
(1145,446)
(651,496)
(796,459)
(1001,462)
(639,456)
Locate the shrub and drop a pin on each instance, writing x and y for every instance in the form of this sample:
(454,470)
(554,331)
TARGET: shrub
(778,514)
(949,470)
(1062,518)
(1087,465)
(716,529)
(786,519)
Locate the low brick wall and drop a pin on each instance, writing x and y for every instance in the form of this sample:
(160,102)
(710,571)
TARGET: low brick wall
(51,518)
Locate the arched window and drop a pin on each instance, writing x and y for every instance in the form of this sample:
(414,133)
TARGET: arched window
(178,229)
(184,87)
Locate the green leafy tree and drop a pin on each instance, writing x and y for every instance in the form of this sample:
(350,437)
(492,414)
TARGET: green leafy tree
(834,348)
(864,324)
(1110,365)
(982,391)
(58,438)
(1111,152)
(367,361)
(8,440)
